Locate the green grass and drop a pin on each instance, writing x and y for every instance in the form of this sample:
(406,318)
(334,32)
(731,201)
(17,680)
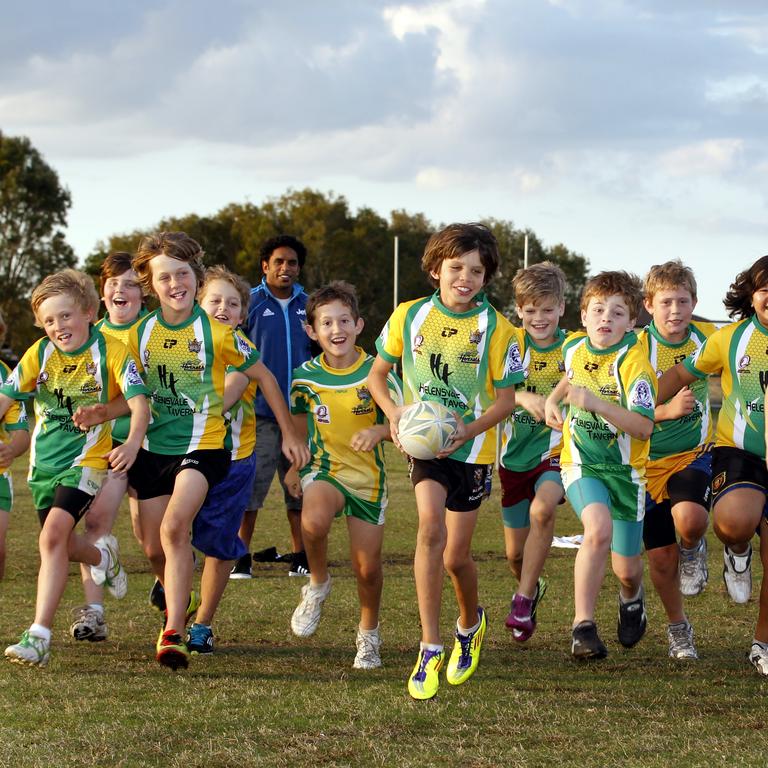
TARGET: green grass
(267,698)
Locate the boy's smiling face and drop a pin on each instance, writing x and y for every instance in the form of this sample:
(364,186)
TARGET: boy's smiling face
(64,321)
(606,320)
(220,299)
(122,297)
(175,284)
(671,309)
(336,330)
(460,279)
(541,319)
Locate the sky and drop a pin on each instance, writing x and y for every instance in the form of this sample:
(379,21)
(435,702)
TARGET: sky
(632,131)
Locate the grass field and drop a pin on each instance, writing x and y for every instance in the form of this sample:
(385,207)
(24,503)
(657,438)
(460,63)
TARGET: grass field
(267,698)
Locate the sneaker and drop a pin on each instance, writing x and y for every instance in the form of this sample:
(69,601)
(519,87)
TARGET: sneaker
(242,568)
(268,555)
(737,574)
(157,596)
(114,576)
(306,617)
(368,645)
(425,678)
(541,590)
(30,649)
(522,616)
(299,564)
(680,636)
(466,653)
(192,605)
(632,621)
(200,640)
(172,651)
(694,573)
(758,655)
(586,643)
(88,624)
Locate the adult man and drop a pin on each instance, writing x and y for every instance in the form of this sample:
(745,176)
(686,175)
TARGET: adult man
(275,324)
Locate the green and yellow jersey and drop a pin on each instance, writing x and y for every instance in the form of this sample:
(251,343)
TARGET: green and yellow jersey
(526,441)
(240,439)
(338,404)
(697,428)
(457,359)
(184,367)
(15,417)
(61,382)
(621,374)
(740,351)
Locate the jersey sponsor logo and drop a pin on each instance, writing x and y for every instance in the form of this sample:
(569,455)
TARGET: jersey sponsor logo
(590,366)
(194,346)
(322,414)
(170,343)
(643,395)
(192,366)
(69,369)
(539,365)
(763,379)
(438,368)
(267,313)
(476,336)
(448,332)
(186,461)
(680,358)
(90,369)
(61,401)
(90,387)
(472,358)
(132,375)
(243,346)
(609,390)
(301,312)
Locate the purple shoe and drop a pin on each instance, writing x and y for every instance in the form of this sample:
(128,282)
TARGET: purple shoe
(521,620)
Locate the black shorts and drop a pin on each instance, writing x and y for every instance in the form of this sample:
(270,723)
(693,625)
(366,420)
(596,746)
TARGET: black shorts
(687,485)
(71,500)
(734,468)
(466,484)
(154,474)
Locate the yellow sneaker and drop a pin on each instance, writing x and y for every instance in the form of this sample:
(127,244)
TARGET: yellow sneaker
(466,653)
(425,678)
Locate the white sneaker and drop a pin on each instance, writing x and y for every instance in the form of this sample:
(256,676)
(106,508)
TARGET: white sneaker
(306,617)
(737,574)
(680,638)
(114,576)
(368,645)
(30,649)
(694,573)
(758,655)
(88,624)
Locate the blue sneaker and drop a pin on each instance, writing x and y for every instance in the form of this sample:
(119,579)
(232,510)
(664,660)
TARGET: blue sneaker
(200,639)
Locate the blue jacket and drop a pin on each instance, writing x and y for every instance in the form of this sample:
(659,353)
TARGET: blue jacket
(279,336)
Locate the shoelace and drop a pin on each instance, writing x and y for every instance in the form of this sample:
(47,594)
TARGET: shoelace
(426,657)
(680,636)
(367,647)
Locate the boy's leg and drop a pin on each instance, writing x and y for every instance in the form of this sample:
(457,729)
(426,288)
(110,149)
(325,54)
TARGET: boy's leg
(458,561)
(548,496)
(365,542)
(514,546)
(213,582)
(691,522)
(758,653)
(591,559)
(151,513)
(4,517)
(627,564)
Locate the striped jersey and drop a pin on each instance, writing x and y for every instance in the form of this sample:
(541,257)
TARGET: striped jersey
(61,382)
(526,441)
(457,359)
(623,375)
(740,351)
(338,404)
(184,367)
(240,439)
(687,432)
(15,417)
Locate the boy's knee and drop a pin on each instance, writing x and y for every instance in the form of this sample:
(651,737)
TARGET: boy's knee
(456,561)
(663,562)
(542,514)
(368,573)
(431,536)
(174,532)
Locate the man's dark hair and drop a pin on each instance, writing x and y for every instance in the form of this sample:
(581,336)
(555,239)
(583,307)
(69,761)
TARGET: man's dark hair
(283,241)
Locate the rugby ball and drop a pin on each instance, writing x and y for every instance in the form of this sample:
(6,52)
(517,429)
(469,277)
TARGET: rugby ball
(425,428)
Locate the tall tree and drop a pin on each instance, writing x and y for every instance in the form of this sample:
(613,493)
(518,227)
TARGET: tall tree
(33,216)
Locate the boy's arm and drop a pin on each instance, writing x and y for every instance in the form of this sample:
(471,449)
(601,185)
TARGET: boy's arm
(5,403)
(122,457)
(553,413)
(235,384)
(17,444)
(634,424)
(680,405)
(368,439)
(87,416)
(672,381)
(379,389)
(294,447)
(292,481)
(532,402)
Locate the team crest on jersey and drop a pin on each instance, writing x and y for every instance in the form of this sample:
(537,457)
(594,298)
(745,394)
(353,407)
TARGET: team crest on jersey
(322,414)
(132,376)
(514,361)
(90,369)
(194,345)
(744,364)
(243,346)
(561,366)
(476,336)
(146,357)
(612,369)
(363,394)
(643,396)
(43,377)
(417,342)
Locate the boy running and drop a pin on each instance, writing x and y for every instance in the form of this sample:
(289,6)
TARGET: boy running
(530,461)
(610,388)
(458,350)
(331,402)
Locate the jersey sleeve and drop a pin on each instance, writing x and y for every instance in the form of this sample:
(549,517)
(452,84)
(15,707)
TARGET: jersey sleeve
(390,343)
(506,360)
(708,359)
(395,387)
(125,373)
(238,352)
(640,385)
(299,395)
(23,379)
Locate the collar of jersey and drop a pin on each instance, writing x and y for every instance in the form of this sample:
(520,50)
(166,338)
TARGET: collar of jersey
(361,356)
(124,326)
(654,331)
(196,312)
(629,340)
(760,327)
(480,300)
(558,342)
(87,343)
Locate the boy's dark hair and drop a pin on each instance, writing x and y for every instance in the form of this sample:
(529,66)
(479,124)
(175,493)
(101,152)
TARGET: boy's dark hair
(176,245)
(738,300)
(454,241)
(114,265)
(337,290)
(283,241)
(621,283)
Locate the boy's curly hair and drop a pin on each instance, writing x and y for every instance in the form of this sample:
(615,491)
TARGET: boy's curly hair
(738,300)
(613,283)
(454,241)
(176,245)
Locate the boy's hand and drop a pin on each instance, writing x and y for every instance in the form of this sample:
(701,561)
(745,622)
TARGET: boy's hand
(293,482)
(295,450)
(366,439)
(7,455)
(121,457)
(394,420)
(553,414)
(583,398)
(533,403)
(681,404)
(460,436)
(87,416)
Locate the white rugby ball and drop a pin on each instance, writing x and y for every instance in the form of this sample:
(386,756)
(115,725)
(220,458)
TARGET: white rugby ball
(425,429)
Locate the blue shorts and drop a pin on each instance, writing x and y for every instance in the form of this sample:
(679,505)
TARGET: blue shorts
(215,527)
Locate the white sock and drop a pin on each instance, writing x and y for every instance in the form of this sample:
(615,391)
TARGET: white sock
(632,599)
(38,630)
(104,562)
(436,647)
(374,631)
(98,607)
(469,631)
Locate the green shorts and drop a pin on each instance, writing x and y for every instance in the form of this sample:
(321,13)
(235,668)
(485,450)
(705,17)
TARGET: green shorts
(354,506)
(43,485)
(6,491)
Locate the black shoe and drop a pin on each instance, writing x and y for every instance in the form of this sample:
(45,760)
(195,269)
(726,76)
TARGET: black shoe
(586,643)
(632,621)
(157,596)
(299,564)
(268,555)
(242,568)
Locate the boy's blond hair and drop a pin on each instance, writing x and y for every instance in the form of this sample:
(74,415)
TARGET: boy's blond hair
(539,282)
(72,282)
(240,284)
(668,277)
(176,245)
(618,283)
